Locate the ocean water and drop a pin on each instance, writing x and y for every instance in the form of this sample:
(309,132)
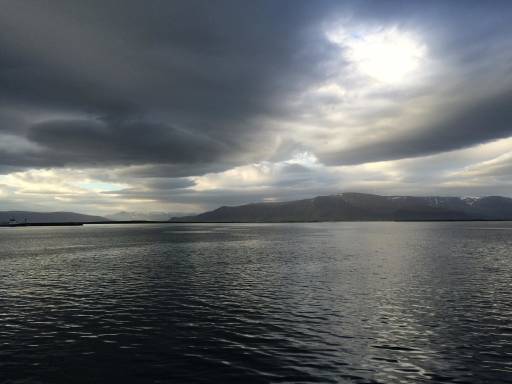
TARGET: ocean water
(259,303)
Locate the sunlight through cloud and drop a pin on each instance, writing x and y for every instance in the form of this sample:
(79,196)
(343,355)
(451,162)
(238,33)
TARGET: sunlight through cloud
(389,56)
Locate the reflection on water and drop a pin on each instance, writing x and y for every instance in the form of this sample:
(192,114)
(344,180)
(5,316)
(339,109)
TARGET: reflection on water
(333,302)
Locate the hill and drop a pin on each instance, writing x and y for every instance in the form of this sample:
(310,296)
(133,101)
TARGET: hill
(360,206)
(48,217)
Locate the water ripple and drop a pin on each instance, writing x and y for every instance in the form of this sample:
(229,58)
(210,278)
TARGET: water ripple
(338,302)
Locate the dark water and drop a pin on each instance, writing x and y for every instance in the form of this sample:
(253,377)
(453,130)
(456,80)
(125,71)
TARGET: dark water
(337,302)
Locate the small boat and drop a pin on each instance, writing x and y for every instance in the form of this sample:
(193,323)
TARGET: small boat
(12,222)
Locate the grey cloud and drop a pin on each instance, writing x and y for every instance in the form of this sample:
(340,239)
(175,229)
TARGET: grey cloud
(210,69)
(170,170)
(477,122)
(169,184)
(90,142)
(497,169)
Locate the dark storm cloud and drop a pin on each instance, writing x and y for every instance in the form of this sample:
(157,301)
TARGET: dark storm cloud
(193,75)
(188,87)
(127,142)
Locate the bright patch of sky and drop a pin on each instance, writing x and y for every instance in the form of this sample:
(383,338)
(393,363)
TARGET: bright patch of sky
(99,186)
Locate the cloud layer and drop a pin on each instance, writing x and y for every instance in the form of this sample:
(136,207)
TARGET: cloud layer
(186,105)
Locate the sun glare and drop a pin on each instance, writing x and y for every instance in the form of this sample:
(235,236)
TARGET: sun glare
(388,56)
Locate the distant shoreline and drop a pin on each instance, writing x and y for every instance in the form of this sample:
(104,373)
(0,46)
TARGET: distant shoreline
(71,224)
(75,224)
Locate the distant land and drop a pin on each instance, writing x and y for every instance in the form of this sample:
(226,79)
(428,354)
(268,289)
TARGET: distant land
(48,217)
(341,207)
(146,216)
(361,207)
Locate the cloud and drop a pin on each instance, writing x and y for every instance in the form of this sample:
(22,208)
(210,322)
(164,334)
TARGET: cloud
(475,122)
(88,142)
(193,78)
(201,103)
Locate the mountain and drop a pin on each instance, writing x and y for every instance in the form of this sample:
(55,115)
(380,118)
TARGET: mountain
(48,217)
(361,206)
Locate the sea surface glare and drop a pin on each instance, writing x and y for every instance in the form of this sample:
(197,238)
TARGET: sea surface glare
(260,303)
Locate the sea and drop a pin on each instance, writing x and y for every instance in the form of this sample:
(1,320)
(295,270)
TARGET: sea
(350,302)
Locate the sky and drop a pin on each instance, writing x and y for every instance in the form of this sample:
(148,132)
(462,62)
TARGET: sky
(183,106)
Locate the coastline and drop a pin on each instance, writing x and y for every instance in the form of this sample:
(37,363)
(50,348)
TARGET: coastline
(77,224)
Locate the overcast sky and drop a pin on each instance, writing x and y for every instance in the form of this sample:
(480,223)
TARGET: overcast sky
(182,106)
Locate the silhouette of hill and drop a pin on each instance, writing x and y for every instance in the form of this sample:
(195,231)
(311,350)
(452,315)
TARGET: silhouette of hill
(361,206)
(48,217)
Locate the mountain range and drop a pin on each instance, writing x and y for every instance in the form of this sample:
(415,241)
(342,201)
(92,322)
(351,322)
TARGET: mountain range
(360,207)
(48,217)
